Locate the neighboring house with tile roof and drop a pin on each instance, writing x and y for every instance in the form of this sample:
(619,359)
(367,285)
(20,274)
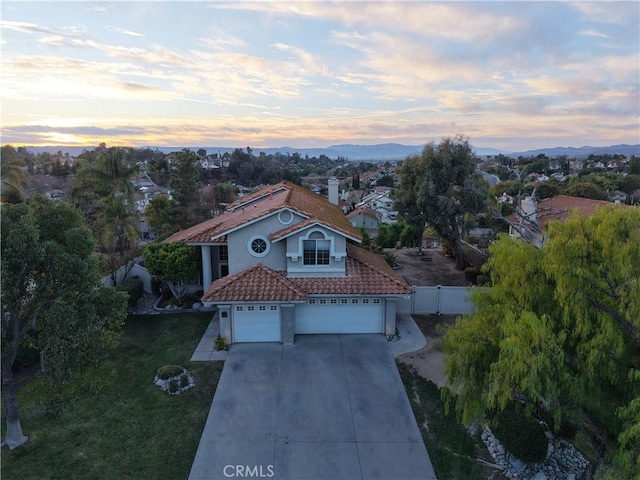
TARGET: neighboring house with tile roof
(365,217)
(285,261)
(531,217)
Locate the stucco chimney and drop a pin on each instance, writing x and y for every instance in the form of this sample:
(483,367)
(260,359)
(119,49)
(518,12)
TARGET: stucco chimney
(333,190)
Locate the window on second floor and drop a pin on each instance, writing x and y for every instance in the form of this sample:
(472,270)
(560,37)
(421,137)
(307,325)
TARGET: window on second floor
(223,253)
(316,252)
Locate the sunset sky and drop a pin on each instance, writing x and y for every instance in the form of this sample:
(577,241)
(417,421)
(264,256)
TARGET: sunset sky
(509,75)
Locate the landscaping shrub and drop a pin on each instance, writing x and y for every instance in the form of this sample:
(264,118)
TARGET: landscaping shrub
(520,434)
(471,274)
(390,258)
(169,371)
(221,343)
(483,280)
(134,288)
(173,386)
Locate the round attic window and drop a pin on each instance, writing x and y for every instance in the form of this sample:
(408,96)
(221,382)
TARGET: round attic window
(258,246)
(285,217)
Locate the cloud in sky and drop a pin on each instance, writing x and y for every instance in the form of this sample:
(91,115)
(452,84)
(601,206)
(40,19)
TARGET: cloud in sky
(511,75)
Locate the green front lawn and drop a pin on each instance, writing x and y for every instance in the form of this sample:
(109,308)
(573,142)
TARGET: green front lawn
(129,429)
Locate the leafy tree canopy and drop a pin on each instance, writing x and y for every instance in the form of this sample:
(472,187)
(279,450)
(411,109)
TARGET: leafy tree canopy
(559,327)
(175,263)
(185,188)
(51,287)
(439,186)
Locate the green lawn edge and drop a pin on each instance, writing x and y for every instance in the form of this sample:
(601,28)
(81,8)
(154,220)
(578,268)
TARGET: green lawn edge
(128,429)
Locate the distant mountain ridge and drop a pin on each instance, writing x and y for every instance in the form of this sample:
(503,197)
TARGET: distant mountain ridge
(380,152)
(582,152)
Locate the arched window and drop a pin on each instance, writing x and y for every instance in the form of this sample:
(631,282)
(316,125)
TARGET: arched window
(316,250)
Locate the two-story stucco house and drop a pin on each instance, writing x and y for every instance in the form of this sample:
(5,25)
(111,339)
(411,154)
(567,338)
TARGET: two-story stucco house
(286,261)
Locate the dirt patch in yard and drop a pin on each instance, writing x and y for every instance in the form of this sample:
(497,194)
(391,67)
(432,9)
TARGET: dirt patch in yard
(439,269)
(433,267)
(429,361)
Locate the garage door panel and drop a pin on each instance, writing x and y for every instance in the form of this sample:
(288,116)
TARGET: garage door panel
(339,317)
(255,325)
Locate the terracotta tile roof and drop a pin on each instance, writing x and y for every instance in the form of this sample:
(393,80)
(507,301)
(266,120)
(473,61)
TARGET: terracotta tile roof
(364,210)
(264,202)
(367,274)
(560,207)
(292,228)
(255,284)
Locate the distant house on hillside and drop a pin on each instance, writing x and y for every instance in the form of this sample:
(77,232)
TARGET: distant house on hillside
(531,217)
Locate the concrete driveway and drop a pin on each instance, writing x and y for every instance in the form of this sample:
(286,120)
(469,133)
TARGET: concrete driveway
(330,407)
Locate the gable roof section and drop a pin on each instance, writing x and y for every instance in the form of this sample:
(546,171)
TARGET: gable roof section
(255,284)
(367,274)
(364,210)
(305,224)
(264,202)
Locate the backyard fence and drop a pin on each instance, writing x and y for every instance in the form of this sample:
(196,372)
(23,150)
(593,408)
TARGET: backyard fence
(136,271)
(439,300)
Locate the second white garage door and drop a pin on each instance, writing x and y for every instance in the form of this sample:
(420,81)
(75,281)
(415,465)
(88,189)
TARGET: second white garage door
(256,323)
(340,315)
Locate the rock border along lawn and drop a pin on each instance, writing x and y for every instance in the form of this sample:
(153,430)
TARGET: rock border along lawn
(563,461)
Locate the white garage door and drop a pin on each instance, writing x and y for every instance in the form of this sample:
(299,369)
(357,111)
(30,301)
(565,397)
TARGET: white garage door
(256,323)
(340,315)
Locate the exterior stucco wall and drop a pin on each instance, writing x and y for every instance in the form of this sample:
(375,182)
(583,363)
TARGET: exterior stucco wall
(239,256)
(288,323)
(224,315)
(390,307)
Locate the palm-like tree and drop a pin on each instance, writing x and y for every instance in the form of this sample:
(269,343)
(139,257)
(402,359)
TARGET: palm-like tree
(12,175)
(104,191)
(118,231)
(109,175)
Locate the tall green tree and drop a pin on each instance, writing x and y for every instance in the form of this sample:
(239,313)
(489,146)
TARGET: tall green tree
(160,215)
(105,192)
(559,327)
(439,187)
(12,175)
(51,286)
(185,188)
(110,174)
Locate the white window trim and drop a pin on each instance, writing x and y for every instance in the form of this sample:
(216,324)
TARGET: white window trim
(291,219)
(256,254)
(297,256)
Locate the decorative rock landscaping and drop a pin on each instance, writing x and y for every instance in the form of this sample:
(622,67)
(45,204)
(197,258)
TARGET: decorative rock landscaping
(145,305)
(563,461)
(174,379)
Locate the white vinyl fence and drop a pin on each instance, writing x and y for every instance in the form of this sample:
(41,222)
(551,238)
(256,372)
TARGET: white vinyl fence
(439,300)
(136,271)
